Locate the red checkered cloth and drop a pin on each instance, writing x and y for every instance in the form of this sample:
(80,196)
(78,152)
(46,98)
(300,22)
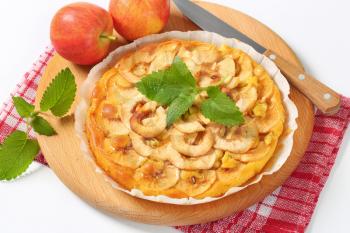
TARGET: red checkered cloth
(287,209)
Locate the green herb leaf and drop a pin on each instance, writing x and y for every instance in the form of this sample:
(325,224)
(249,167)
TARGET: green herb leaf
(179,106)
(179,73)
(220,108)
(60,94)
(23,108)
(166,85)
(42,126)
(16,154)
(151,85)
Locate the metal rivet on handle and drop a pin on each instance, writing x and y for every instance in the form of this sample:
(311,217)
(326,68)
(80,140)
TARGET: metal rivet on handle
(301,77)
(327,96)
(272,56)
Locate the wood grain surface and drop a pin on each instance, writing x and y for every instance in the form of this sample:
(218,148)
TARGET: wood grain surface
(65,158)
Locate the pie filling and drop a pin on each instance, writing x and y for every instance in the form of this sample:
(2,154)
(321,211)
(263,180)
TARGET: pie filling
(194,157)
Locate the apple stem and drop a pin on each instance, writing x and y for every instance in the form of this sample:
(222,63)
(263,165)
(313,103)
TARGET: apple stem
(109,37)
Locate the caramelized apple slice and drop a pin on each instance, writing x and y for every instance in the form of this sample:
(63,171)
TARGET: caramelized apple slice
(274,118)
(194,150)
(194,183)
(241,142)
(155,176)
(167,152)
(256,154)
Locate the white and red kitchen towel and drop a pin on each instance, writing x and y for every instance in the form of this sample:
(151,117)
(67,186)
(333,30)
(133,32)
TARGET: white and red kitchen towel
(288,209)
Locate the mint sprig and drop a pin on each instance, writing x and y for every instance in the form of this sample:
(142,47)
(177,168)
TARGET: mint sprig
(18,151)
(176,88)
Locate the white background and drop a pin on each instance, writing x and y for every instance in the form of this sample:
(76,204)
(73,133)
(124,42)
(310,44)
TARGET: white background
(319,33)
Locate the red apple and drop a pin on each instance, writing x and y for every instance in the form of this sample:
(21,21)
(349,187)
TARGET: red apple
(80,33)
(137,18)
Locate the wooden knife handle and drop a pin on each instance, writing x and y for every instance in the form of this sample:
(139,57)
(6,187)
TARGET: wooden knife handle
(323,97)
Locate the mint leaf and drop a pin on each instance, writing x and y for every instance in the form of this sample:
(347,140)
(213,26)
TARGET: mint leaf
(60,94)
(220,108)
(23,108)
(179,106)
(42,126)
(151,85)
(16,154)
(166,85)
(179,73)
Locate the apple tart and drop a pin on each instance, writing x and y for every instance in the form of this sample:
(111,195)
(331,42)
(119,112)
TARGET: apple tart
(194,157)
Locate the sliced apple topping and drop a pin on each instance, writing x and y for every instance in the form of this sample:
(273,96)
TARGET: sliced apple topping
(167,152)
(108,119)
(246,69)
(153,126)
(256,154)
(121,95)
(231,82)
(258,70)
(265,88)
(133,67)
(274,116)
(128,107)
(227,68)
(154,176)
(120,142)
(203,120)
(204,54)
(115,128)
(140,145)
(161,61)
(128,158)
(140,70)
(121,153)
(110,111)
(184,53)
(125,65)
(192,66)
(120,81)
(247,99)
(198,148)
(143,56)
(194,183)
(191,125)
(164,56)
(207,80)
(240,141)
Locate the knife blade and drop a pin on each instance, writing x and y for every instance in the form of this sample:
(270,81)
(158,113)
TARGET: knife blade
(323,97)
(209,22)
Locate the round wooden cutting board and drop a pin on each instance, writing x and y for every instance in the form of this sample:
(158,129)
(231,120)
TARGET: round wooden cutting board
(65,158)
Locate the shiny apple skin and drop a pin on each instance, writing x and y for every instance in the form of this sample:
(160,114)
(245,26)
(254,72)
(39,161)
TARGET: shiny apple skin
(75,33)
(133,19)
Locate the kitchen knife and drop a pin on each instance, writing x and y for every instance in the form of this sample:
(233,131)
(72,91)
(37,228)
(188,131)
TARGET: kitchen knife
(323,97)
